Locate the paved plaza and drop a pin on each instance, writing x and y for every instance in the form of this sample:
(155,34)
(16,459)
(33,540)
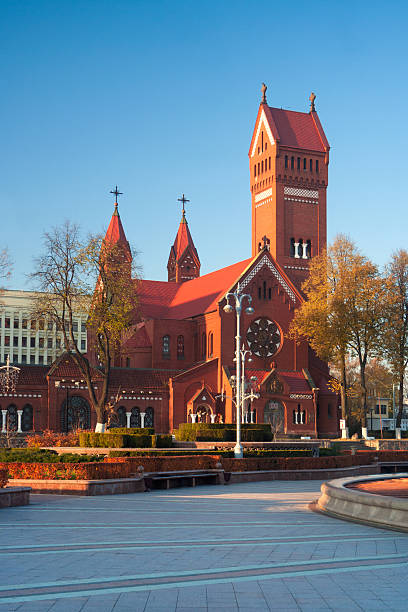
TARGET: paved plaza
(246,547)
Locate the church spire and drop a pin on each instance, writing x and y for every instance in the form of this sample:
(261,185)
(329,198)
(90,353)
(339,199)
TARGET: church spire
(115,234)
(184,263)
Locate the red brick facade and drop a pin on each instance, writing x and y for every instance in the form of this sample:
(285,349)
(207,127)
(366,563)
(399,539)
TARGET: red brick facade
(179,357)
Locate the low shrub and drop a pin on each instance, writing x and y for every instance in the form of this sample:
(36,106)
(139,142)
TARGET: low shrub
(3,477)
(67,471)
(168,464)
(114,440)
(139,431)
(162,441)
(52,438)
(169,453)
(36,455)
(206,432)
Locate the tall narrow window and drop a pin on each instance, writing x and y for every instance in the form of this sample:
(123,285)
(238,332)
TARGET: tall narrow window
(262,166)
(166,347)
(317,165)
(309,249)
(329,411)
(298,163)
(269,162)
(254,169)
(311,165)
(292,247)
(203,345)
(292,163)
(264,290)
(210,344)
(128,362)
(180,347)
(259,293)
(286,161)
(259,168)
(304,163)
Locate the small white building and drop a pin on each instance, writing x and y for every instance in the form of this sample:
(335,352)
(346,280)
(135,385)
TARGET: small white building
(28,341)
(381,415)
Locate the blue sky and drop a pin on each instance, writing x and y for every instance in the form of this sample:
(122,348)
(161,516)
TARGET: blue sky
(161,98)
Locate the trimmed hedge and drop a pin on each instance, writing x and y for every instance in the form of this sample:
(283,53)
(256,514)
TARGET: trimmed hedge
(209,432)
(68,471)
(138,431)
(35,455)
(3,477)
(253,452)
(118,440)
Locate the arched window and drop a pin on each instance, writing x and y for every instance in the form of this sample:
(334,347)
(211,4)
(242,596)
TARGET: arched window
(75,413)
(286,161)
(203,345)
(254,169)
(292,162)
(166,347)
(135,417)
(262,166)
(120,420)
(304,164)
(210,344)
(259,168)
(269,293)
(264,290)
(180,347)
(149,418)
(292,247)
(27,418)
(12,417)
(269,162)
(298,163)
(311,165)
(317,165)
(309,249)
(300,247)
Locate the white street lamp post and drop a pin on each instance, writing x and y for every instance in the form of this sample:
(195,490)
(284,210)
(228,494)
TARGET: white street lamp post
(239,298)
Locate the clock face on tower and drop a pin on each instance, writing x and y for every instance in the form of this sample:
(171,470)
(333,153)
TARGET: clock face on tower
(263,337)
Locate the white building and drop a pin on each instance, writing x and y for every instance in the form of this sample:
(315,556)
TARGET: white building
(28,341)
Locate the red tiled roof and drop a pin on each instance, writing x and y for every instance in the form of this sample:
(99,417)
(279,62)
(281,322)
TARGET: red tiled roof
(300,130)
(138,337)
(164,300)
(31,375)
(64,367)
(133,380)
(184,240)
(296,381)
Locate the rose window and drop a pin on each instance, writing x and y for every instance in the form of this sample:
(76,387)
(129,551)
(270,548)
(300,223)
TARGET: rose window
(263,337)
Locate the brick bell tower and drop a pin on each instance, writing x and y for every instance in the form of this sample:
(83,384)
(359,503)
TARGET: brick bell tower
(183,263)
(288,162)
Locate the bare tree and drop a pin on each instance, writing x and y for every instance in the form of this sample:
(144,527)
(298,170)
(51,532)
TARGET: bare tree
(96,277)
(5,264)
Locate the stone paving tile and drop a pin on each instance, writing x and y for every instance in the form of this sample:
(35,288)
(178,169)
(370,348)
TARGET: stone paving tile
(237,513)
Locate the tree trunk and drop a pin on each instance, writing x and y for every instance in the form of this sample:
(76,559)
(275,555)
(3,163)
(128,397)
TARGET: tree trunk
(400,400)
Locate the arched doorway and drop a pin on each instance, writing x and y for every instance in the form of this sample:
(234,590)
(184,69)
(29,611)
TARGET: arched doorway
(135,417)
(75,414)
(12,417)
(274,414)
(27,418)
(203,414)
(149,418)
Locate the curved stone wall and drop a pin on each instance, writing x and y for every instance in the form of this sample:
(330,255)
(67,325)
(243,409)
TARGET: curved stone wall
(377,510)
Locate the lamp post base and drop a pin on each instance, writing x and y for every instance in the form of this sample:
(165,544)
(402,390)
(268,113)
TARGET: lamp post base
(238,451)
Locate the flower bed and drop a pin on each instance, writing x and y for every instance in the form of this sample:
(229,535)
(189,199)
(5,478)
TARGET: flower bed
(168,464)
(67,471)
(52,438)
(3,477)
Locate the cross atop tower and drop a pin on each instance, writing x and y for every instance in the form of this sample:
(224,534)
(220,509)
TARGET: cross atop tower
(264,88)
(183,199)
(116,193)
(312,101)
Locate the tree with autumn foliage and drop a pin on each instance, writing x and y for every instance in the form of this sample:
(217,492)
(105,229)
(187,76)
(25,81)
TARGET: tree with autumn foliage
(342,312)
(71,271)
(394,336)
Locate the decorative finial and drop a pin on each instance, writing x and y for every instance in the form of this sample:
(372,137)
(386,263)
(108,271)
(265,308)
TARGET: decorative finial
(183,199)
(264,88)
(266,243)
(312,102)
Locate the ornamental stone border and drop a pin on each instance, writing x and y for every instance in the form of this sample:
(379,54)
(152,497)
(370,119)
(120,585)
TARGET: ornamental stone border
(14,496)
(369,508)
(115,486)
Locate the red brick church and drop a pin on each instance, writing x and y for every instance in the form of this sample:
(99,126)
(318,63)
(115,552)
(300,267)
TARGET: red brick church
(177,363)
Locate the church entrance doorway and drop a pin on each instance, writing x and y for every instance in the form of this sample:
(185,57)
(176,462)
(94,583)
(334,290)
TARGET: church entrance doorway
(204,414)
(75,414)
(274,414)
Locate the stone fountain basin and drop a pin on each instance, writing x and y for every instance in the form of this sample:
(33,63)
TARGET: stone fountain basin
(338,499)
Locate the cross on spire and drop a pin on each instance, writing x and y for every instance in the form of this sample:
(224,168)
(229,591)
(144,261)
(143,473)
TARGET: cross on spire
(263,88)
(312,101)
(116,193)
(183,199)
(266,243)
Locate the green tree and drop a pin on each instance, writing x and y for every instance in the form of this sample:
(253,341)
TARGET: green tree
(69,272)
(394,337)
